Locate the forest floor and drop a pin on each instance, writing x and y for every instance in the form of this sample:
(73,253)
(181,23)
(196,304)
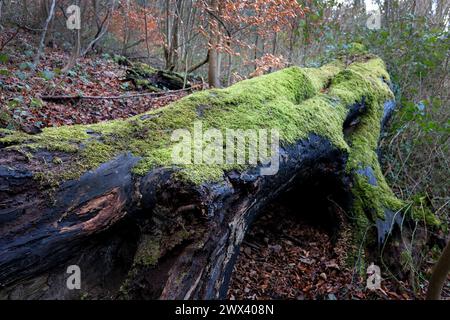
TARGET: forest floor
(285,256)
(21,89)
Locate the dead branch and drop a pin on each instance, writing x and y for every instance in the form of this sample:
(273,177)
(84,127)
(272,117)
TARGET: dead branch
(60,98)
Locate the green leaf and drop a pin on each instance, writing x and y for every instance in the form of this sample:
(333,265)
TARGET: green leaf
(47,75)
(3,58)
(14,103)
(125,86)
(72,73)
(21,75)
(4,72)
(29,53)
(26,66)
(36,103)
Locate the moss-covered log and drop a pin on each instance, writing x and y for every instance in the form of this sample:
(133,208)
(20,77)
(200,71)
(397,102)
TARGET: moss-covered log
(108,197)
(144,77)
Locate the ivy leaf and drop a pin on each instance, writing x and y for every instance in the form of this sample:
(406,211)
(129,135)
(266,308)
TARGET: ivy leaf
(47,75)
(4,72)
(21,75)
(36,103)
(3,58)
(26,66)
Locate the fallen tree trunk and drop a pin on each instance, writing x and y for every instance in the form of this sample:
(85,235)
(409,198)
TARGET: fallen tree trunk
(144,77)
(109,198)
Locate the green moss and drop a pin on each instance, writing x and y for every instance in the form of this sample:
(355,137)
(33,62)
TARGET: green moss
(142,69)
(370,199)
(148,251)
(367,82)
(10,137)
(143,84)
(356,48)
(419,210)
(151,246)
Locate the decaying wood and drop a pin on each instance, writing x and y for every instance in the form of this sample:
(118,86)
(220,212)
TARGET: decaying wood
(74,98)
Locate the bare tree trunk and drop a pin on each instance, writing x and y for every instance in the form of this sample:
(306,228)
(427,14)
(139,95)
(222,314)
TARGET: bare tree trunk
(44,34)
(1,5)
(213,72)
(24,11)
(175,35)
(166,32)
(126,31)
(146,29)
(75,53)
(440,274)
(187,27)
(274,48)
(76,50)
(230,66)
(255,53)
(172,35)
(95,9)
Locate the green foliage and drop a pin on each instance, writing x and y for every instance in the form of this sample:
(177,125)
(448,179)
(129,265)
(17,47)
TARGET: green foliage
(36,103)
(47,75)
(21,75)
(4,72)
(15,102)
(4,58)
(26,66)
(422,114)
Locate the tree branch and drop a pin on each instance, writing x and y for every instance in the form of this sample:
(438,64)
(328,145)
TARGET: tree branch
(200,64)
(125,96)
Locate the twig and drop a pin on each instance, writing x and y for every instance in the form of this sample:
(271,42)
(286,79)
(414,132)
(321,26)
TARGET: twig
(293,239)
(82,97)
(44,34)
(198,65)
(3,45)
(250,244)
